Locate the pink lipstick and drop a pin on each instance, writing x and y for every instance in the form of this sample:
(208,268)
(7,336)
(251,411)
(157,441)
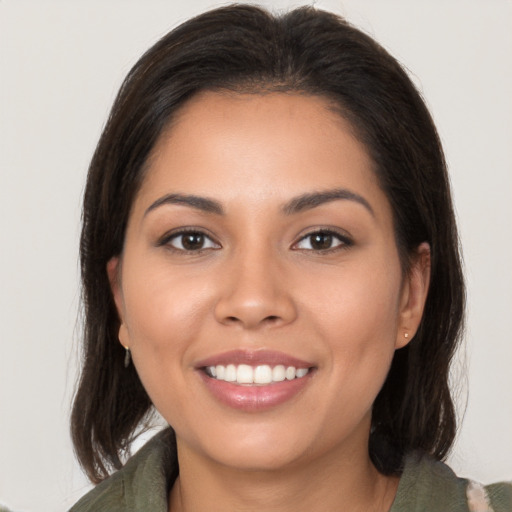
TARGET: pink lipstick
(254,380)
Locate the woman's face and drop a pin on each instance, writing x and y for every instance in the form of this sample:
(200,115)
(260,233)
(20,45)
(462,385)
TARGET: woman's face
(260,248)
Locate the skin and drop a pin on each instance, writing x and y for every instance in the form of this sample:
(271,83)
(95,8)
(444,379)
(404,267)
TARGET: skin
(258,283)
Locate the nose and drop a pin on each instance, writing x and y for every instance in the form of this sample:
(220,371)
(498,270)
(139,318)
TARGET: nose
(255,292)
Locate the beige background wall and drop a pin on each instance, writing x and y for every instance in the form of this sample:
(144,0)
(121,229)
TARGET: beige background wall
(61,63)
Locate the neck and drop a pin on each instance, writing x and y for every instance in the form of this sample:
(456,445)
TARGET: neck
(337,481)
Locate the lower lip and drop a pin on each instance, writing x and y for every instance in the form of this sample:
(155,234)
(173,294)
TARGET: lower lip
(255,398)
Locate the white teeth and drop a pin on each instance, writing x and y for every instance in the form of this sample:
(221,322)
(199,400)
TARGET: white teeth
(230,375)
(244,374)
(261,374)
(220,371)
(290,373)
(278,373)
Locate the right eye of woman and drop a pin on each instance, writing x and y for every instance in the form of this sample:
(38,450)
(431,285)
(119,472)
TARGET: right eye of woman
(323,241)
(189,241)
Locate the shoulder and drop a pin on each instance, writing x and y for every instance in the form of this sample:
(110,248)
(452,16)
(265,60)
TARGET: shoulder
(428,484)
(143,480)
(497,497)
(108,495)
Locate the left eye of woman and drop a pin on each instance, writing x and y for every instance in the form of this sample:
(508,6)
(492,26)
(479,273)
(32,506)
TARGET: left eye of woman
(190,241)
(323,240)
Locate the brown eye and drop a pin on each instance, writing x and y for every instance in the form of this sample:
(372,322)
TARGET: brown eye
(322,241)
(191,241)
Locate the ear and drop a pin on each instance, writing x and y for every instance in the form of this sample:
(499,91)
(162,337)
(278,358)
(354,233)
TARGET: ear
(114,277)
(414,295)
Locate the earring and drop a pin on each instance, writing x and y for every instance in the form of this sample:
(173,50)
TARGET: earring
(127,357)
(406,335)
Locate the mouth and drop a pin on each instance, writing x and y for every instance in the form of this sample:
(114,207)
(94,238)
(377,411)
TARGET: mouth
(260,375)
(254,381)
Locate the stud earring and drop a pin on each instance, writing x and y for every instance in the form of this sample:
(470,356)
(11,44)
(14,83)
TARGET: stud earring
(406,335)
(127,357)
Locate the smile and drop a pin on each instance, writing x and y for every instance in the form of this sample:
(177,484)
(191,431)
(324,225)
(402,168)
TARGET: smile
(255,380)
(244,374)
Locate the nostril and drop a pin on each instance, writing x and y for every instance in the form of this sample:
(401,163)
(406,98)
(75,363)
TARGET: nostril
(271,319)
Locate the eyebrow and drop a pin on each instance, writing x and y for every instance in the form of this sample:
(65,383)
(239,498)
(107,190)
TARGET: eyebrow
(312,200)
(296,205)
(203,204)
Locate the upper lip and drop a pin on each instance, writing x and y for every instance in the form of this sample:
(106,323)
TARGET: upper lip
(253,358)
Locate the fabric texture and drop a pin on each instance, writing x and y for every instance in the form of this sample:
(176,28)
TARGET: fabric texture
(426,485)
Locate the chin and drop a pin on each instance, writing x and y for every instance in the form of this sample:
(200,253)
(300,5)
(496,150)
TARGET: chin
(260,446)
(256,447)
(257,458)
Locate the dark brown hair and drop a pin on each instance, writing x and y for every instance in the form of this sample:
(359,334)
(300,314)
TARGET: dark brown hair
(245,48)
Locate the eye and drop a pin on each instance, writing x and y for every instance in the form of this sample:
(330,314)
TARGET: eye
(190,241)
(322,240)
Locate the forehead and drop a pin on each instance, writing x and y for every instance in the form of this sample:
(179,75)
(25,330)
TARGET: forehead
(257,147)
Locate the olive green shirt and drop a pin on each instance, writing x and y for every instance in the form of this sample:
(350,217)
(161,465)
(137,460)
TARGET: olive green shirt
(426,485)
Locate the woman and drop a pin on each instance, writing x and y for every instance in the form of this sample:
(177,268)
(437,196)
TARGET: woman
(268,232)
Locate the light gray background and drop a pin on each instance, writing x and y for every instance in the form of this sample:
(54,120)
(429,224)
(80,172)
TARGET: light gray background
(61,65)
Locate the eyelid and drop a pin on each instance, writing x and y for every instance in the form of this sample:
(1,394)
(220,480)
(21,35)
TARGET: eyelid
(174,233)
(340,235)
(345,239)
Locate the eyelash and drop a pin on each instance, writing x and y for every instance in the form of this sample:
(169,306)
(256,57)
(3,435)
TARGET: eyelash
(169,237)
(344,241)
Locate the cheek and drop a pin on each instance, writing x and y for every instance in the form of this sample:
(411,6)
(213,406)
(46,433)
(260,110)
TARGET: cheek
(357,324)
(165,313)
(357,302)
(357,316)
(163,307)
